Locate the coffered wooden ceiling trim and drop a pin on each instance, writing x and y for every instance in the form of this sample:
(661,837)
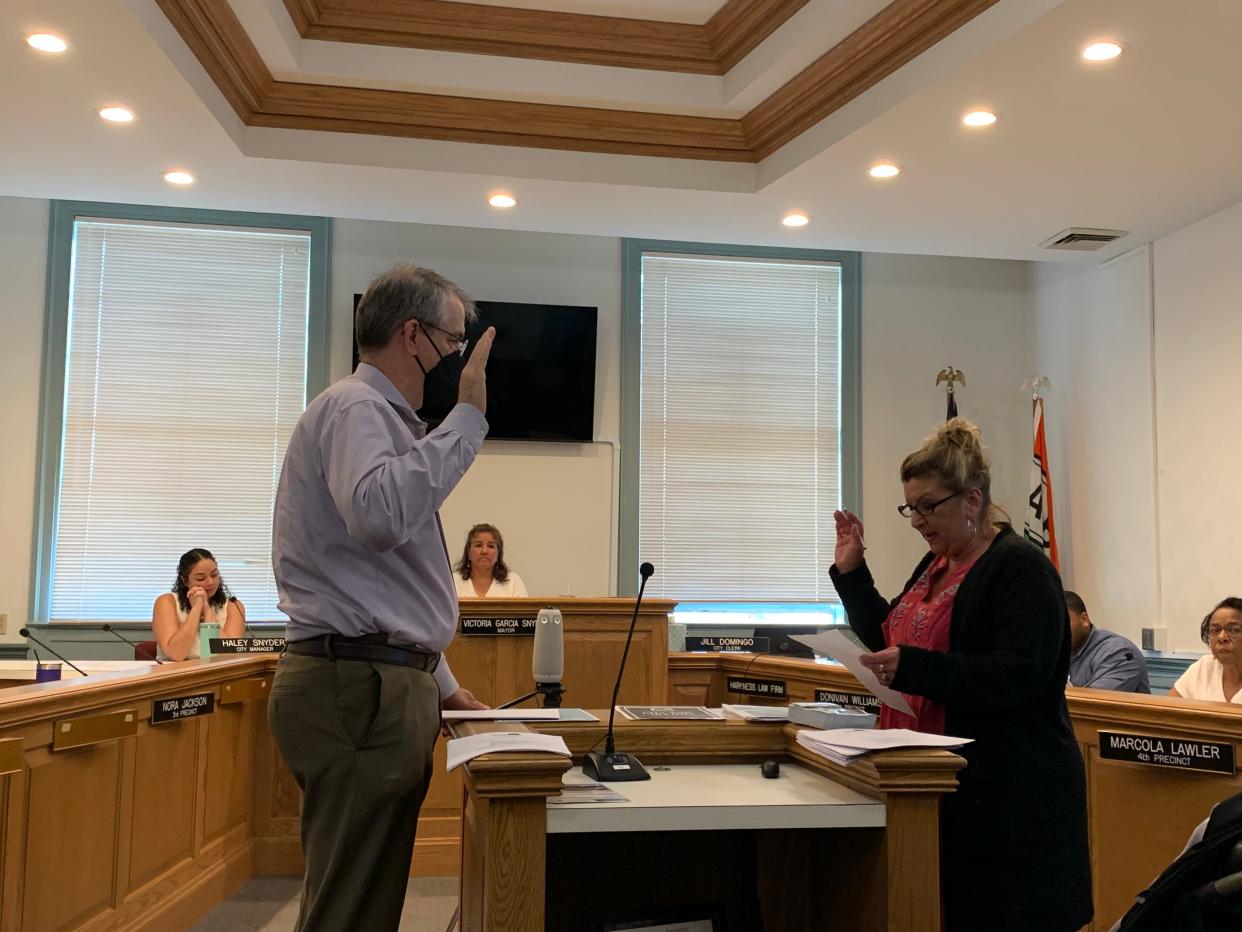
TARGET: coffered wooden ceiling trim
(512,32)
(897,34)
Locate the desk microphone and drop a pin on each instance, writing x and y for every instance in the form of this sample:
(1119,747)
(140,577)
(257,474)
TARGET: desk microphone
(241,610)
(611,766)
(117,634)
(25,632)
(547,663)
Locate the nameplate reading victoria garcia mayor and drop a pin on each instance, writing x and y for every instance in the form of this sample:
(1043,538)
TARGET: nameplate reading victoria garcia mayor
(519,625)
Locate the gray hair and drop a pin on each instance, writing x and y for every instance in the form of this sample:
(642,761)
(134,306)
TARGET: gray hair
(401,293)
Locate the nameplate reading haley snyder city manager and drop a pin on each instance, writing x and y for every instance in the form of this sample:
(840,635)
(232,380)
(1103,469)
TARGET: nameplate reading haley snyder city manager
(246,645)
(1162,751)
(501,624)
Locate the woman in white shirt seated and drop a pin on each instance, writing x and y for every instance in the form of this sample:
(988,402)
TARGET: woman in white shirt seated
(199,596)
(482,572)
(1217,677)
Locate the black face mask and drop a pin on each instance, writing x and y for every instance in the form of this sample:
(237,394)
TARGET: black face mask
(447,369)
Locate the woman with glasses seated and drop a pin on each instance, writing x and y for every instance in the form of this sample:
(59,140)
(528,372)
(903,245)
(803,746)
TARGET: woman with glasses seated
(979,643)
(482,572)
(1216,677)
(198,597)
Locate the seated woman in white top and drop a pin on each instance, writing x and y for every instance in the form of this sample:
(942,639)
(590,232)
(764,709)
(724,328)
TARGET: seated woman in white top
(198,596)
(1216,677)
(482,572)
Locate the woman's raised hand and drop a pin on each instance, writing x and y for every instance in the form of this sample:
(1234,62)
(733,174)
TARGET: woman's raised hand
(850,546)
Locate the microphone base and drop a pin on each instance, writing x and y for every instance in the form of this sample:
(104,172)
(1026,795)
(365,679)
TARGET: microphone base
(551,694)
(617,767)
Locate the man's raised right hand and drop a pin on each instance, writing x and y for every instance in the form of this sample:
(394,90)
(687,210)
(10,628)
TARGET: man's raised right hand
(472,389)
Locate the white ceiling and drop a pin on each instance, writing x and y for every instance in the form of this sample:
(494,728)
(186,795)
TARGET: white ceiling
(1148,144)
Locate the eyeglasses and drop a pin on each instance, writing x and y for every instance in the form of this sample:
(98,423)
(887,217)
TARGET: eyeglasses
(925,509)
(1234,631)
(459,340)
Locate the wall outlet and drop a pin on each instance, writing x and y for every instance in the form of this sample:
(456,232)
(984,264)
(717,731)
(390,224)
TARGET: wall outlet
(4,623)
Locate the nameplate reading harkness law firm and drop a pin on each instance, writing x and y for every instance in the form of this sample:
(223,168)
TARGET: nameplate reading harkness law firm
(246,645)
(754,645)
(516,625)
(751,686)
(1162,751)
(175,708)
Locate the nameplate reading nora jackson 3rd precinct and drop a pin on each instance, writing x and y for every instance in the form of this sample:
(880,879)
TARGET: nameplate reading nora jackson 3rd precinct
(523,625)
(1163,751)
(175,708)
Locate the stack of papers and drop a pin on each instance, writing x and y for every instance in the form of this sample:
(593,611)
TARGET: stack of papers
(582,794)
(846,745)
(461,750)
(758,713)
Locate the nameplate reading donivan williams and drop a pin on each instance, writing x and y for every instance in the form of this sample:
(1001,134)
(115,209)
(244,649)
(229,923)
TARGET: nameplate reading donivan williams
(175,708)
(857,700)
(246,645)
(524,625)
(750,686)
(1159,751)
(753,645)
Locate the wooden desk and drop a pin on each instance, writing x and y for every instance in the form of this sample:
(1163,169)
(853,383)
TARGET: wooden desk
(792,877)
(1139,815)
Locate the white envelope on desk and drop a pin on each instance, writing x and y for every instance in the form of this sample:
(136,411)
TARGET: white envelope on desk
(836,645)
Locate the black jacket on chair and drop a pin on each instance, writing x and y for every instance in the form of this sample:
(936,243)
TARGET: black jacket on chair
(1014,850)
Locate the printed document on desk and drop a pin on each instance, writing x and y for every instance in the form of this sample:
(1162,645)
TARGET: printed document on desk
(461,750)
(836,645)
(846,745)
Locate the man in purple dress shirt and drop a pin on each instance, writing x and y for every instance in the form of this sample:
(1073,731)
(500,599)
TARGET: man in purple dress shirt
(363,573)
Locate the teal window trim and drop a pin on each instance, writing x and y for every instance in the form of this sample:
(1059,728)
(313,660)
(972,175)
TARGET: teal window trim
(55,338)
(632,251)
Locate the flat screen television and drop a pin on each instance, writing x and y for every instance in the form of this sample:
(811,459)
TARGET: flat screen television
(540,376)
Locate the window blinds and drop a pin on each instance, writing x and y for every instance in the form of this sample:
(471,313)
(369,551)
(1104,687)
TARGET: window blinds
(185,374)
(740,426)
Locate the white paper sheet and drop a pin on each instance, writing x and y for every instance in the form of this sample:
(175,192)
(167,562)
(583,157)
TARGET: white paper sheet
(461,750)
(836,645)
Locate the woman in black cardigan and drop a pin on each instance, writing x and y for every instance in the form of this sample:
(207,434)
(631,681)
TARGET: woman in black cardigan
(979,641)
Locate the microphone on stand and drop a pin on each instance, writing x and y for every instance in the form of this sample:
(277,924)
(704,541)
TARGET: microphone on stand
(117,634)
(241,610)
(25,632)
(612,766)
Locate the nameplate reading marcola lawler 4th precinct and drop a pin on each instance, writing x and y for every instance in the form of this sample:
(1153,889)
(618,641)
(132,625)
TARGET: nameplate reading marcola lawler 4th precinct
(175,708)
(520,625)
(1163,751)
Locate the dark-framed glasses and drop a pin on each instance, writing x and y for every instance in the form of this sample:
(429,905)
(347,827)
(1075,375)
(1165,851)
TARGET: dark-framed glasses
(926,509)
(459,339)
(1233,630)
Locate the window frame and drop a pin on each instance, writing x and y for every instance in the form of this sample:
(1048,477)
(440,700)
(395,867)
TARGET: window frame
(63,216)
(632,251)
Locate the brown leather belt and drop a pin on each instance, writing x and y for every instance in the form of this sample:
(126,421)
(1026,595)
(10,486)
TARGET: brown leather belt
(370,647)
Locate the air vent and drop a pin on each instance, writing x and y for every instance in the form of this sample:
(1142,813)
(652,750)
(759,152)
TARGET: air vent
(1083,239)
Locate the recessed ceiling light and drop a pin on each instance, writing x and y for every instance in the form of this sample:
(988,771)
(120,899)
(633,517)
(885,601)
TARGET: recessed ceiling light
(179,177)
(117,115)
(1101,51)
(502,200)
(884,170)
(979,118)
(795,218)
(46,42)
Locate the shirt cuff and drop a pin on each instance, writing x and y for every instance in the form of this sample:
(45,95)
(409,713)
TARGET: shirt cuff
(466,420)
(445,679)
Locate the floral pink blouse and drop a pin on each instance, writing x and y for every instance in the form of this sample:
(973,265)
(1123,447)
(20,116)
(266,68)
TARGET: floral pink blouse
(921,623)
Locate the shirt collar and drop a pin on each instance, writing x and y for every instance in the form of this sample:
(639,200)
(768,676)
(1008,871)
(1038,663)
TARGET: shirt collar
(1091,637)
(376,379)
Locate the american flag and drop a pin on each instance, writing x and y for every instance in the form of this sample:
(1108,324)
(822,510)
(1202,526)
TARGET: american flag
(1039,525)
